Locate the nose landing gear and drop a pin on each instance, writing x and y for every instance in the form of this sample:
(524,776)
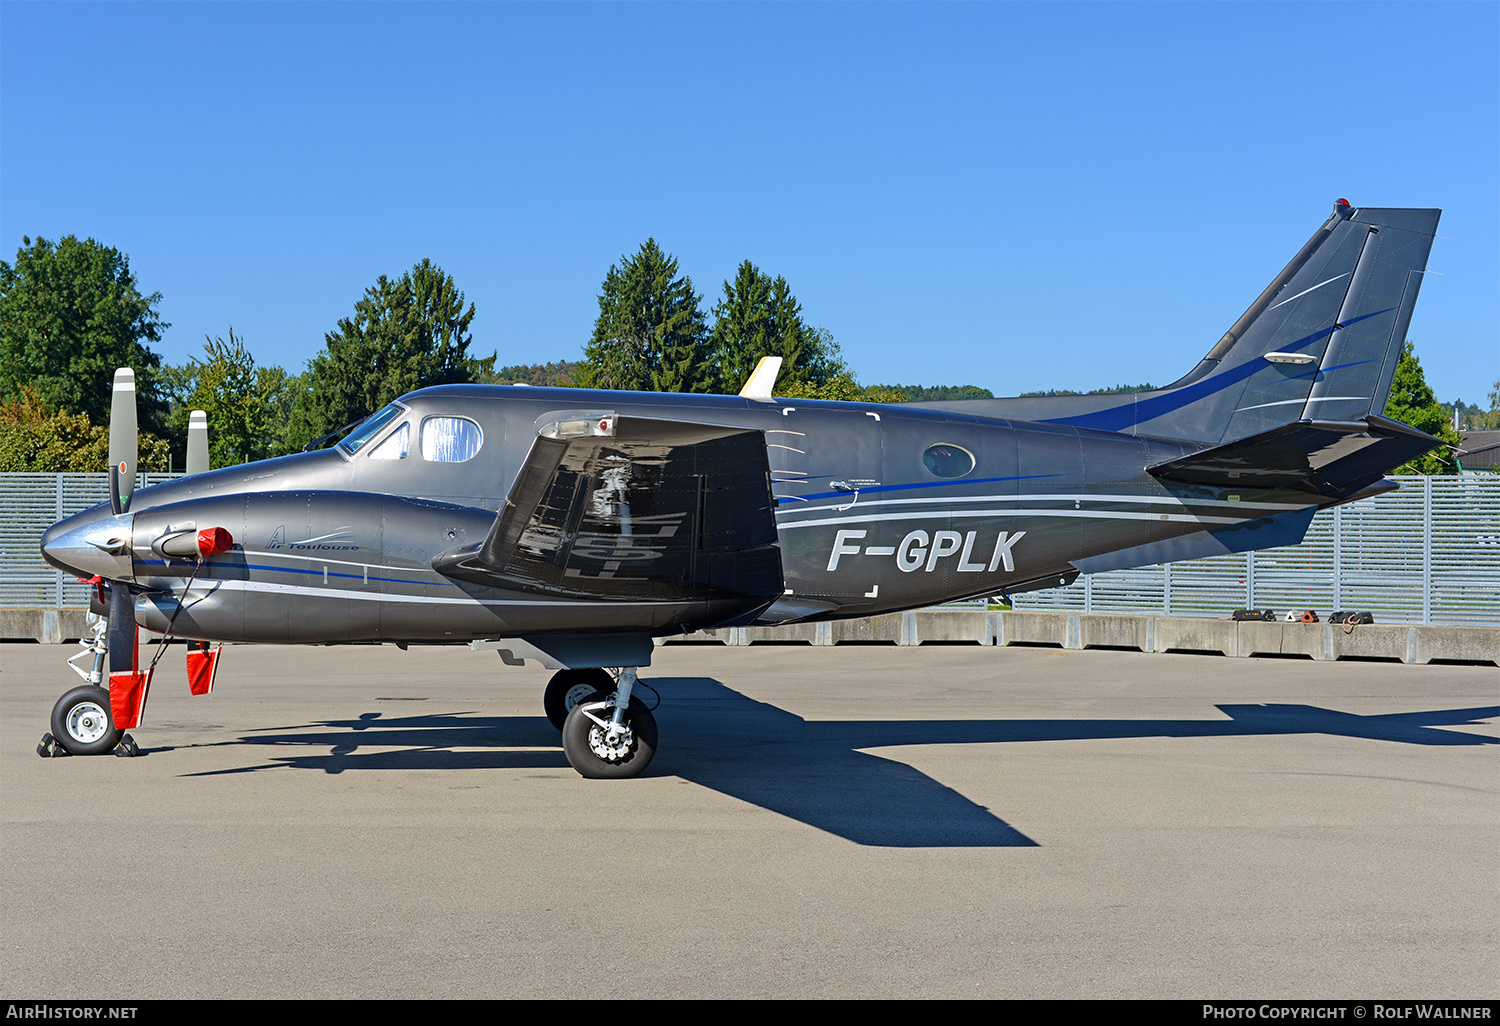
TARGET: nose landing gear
(82,723)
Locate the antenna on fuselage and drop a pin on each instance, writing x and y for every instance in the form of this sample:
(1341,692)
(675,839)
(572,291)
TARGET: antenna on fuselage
(197,442)
(762,379)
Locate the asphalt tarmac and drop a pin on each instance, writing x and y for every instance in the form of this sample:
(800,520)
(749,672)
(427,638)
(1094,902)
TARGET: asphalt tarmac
(875,821)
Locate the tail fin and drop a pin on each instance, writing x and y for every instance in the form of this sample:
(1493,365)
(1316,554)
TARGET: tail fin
(1320,343)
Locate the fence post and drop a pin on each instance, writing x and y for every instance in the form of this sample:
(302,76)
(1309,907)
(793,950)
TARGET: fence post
(1338,557)
(57,576)
(1426,550)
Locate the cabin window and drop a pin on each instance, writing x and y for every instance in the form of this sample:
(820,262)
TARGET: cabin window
(948,460)
(396,445)
(450,439)
(369,428)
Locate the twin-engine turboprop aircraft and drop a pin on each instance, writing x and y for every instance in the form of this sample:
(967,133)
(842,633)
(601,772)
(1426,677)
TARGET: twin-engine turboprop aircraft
(574,526)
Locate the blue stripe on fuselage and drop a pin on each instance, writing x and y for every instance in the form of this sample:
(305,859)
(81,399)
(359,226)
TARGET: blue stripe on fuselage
(1134,413)
(906,487)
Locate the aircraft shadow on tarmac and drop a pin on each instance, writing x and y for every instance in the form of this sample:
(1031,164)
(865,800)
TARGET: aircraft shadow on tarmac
(812,771)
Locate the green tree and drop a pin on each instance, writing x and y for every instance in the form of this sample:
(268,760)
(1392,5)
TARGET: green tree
(405,334)
(841,387)
(1485,420)
(760,317)
(942,393)
(649,335)
(36,437)
(70,314)
(1413,403)
(556,374)
(248,407)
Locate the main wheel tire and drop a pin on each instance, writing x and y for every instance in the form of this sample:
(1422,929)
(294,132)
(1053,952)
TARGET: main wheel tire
(587,745)
(569,687)
(82,722)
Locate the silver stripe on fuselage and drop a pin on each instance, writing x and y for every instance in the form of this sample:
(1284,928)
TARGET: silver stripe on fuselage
(340,562)
(388,597)
(1018,514)
(1135,500)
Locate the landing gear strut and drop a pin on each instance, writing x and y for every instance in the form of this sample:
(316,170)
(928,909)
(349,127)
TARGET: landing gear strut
(611,737)
(83,722)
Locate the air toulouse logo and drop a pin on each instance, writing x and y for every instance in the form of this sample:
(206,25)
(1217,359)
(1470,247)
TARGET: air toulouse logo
(323,543)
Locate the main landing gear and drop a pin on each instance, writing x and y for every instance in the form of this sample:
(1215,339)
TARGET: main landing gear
(569,687)
(607,733)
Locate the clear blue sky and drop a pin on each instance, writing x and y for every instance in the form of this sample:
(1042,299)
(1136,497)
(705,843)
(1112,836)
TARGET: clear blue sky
(1019,196)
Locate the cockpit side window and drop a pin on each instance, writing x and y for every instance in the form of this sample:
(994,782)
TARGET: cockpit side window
(369,428)
(395,446)
(450,439)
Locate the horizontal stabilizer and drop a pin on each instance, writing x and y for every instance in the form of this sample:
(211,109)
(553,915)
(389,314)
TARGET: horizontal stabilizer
(635,509)
(1333,459)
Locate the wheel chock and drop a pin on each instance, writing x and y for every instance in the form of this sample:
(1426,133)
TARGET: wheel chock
(48,748)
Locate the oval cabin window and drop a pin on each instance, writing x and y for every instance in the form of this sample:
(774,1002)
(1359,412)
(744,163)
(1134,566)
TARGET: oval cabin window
(948,460)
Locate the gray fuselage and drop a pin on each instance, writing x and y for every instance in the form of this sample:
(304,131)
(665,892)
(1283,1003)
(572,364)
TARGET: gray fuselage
(878,508)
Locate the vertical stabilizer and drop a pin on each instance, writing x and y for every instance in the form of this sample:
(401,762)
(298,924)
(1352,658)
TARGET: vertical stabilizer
(1321,342)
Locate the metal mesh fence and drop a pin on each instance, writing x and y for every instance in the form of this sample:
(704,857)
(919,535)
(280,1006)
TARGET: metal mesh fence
(31,503)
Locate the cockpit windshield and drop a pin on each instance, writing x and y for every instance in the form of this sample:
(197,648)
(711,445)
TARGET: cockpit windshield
(369,428)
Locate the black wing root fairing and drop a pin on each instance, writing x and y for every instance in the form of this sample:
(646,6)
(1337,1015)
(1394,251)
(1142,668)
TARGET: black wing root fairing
(652,511)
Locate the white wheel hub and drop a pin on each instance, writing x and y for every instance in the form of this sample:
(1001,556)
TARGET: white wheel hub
(87,722)
(612,744)
(578,693)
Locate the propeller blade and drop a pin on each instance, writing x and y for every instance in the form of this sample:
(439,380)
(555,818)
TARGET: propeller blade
(197,442)
(122,629)
(122,438)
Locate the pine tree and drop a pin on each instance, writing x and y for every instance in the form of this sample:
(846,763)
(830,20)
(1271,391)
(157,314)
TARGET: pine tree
(649,335)
(760,317)
(405,334)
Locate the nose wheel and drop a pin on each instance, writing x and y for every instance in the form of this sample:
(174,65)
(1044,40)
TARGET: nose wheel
(82,723)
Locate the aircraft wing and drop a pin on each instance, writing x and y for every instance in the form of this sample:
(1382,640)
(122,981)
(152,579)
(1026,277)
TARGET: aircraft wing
(637,510)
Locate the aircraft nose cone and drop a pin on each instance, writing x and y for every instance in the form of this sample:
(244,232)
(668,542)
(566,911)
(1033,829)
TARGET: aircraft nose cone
(99,547)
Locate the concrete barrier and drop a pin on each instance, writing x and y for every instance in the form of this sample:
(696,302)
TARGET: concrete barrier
(49,626)
(1401,642)
(1324,641)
